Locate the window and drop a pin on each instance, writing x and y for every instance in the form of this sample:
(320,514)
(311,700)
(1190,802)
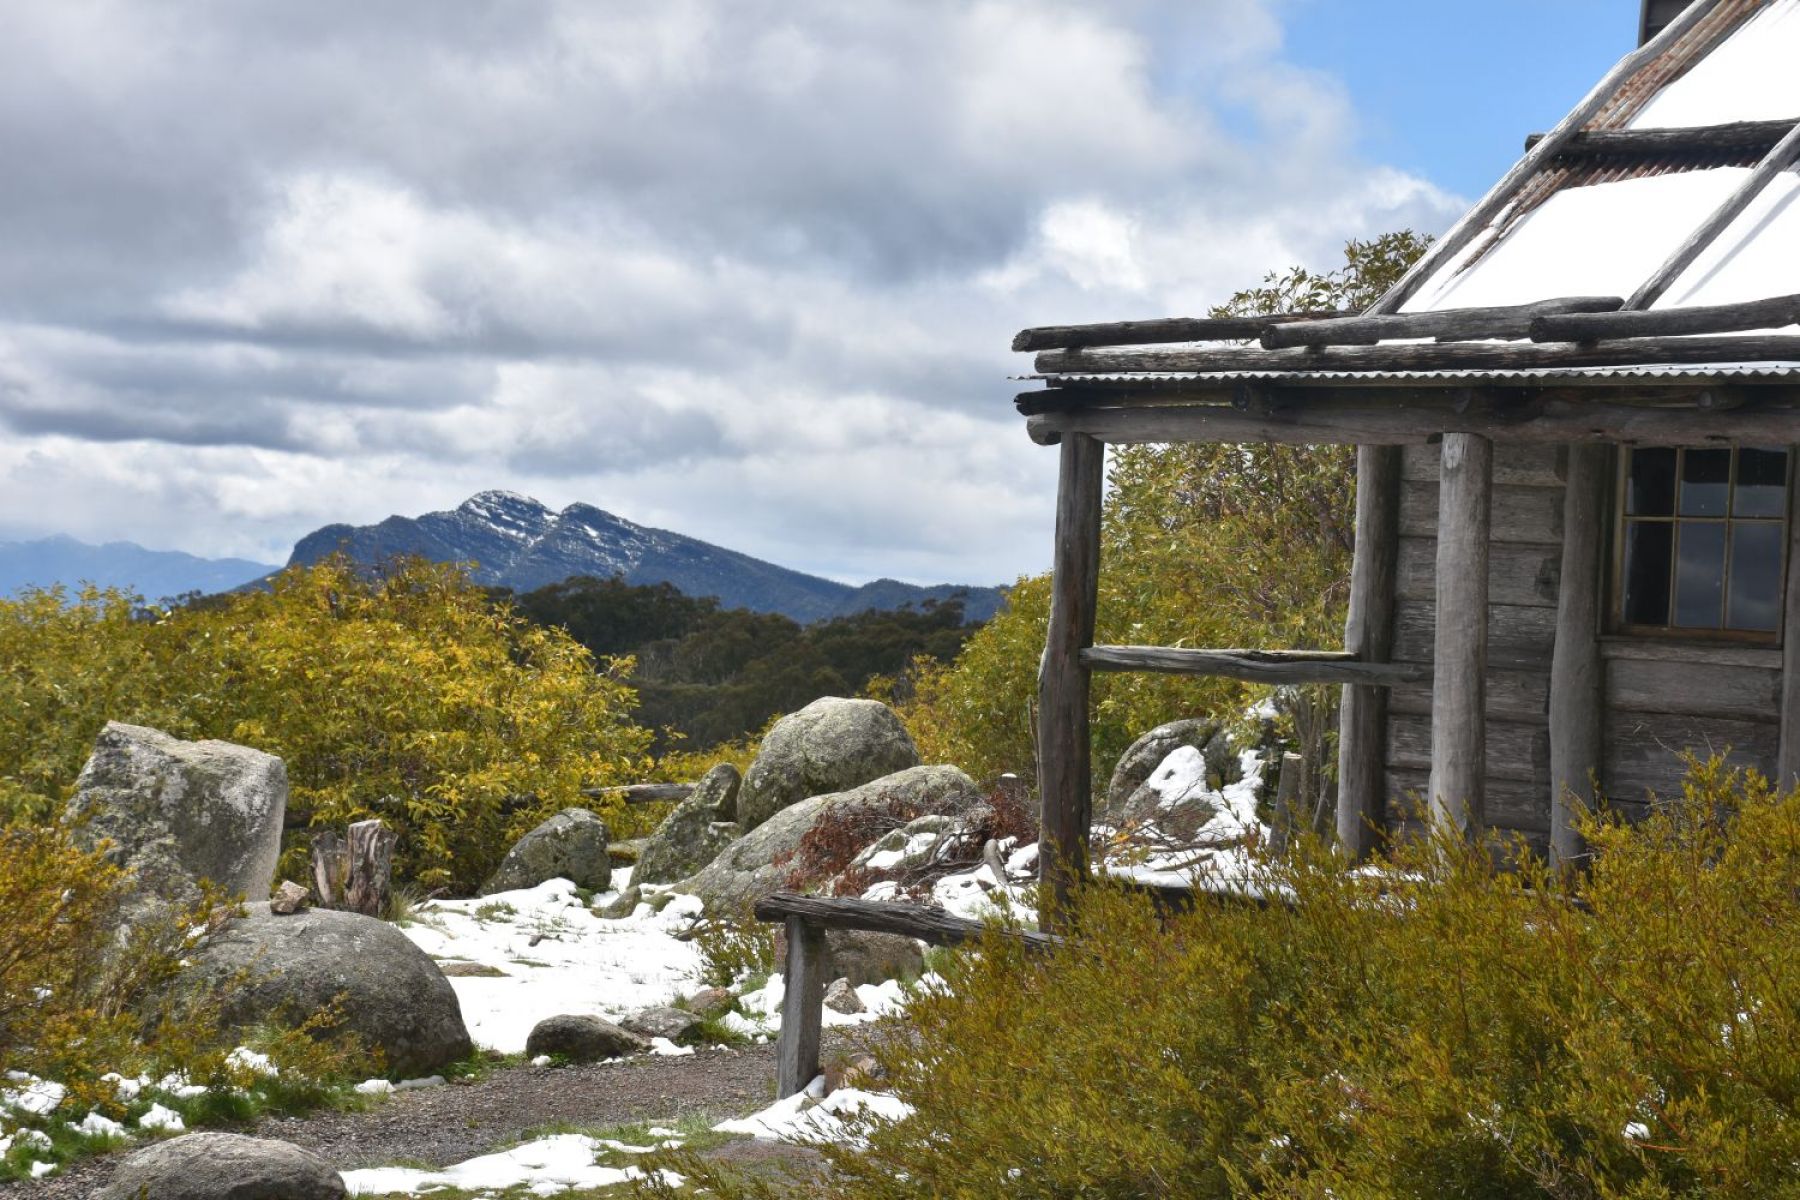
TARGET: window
(1702,540)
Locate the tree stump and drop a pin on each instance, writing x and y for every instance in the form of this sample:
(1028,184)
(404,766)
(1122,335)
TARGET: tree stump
(330,866)
(371,855)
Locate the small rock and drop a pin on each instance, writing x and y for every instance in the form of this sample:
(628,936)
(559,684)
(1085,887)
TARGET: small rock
(853,1071)
(289,899)
(571,845)
(622,905)
(662,1022)
(224,1166)
(840,997)
(864,957)
(582,1038)
(712,1002)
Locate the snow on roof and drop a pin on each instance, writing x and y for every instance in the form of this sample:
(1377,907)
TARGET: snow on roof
(1751,76)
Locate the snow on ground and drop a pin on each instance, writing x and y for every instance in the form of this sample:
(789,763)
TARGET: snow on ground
(555,956)
(546,1166)
(813,1116)
(1216,856)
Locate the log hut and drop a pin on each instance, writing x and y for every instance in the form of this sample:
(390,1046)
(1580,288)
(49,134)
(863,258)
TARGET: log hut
(1576,420)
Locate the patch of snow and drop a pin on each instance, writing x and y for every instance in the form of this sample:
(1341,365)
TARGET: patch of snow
(375,1087)
(176,1084)
(415,1085)
(98,1125)
(36,1096)
(246,1059)
(41,1169)
(800,1118)
(162,1120)
(545,1166)
(125,1089)
(1635,1131)
(668,1049)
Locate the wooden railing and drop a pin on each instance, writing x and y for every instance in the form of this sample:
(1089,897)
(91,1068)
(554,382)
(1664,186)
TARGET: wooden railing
(642,793)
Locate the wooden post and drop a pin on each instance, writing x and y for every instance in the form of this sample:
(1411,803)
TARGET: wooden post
(331,866)
(1788,764)
(1287,800)
(802,1007)
(1459,688)
(371,868)
(1065,769)
(1577,677)
(1368,634)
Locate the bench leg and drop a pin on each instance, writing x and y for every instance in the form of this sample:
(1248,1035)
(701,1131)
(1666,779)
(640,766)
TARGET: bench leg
(802,1007)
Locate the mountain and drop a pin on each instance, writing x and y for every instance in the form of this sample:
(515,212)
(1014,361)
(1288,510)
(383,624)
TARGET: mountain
(518,543)
(154,574)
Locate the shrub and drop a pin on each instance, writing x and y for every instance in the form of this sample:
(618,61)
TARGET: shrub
(1432,1027)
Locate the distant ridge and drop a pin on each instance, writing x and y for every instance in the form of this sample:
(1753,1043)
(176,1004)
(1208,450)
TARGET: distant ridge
(153,574)
(522,544)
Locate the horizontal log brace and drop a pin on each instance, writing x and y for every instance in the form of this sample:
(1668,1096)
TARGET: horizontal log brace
(641,793)
(1450,324)
(1150,333)
(1256,666)
(1772,313)
(1750,137)
(928,923)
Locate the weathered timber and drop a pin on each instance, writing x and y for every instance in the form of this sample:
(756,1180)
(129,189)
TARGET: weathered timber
(1165,329)
(1522,515)
(1577,677)
(1287,817)
(1464,356)
(330,867)
(1517,574)
(1772,313)
(1533,465)
(802,1007)
(1518,751)
(642,793)
(371,854)
(1254,666)
(1701,689)
(1513,694)
(928,923)
(1785,153)
(1547,421)
(1065,766)
(1643,751)
(1788,763)
(1509,321)
(1658,650)
(1512,804)
(1520,638)
(1459,682)
(1753,137)
(1369,635)
(1478,219)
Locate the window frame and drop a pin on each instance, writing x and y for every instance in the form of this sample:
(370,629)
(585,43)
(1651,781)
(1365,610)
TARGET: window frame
(1617,626)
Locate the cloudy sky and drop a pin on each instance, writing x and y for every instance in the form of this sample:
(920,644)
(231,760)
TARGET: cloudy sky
(746,269)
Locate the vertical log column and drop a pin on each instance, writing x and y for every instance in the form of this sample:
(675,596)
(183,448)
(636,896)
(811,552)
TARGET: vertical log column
(1788,764)
(1577,678)
(1459,682)
(802,1007)
(1368,634)
(1065,769)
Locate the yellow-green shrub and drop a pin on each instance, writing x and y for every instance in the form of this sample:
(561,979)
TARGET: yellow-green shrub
(1432,1028)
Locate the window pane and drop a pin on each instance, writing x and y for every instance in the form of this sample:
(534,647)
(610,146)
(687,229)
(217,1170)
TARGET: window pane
(1761,484)
(1705,476)
(1650,489)
(1755,576)
(1700,576)
(1648,545)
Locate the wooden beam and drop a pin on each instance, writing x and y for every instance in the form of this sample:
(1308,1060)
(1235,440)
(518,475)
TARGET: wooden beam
(642,793)
(1577,676)
(1459,654)
(1772,313)
(1478,219)
(1548,421)
(928,923)
(1507,321)
(1256,666)
(802,1007)
(1369,635)
(1788,757)
(1165,329)
(1065,766)
(1779,159)
(1471,356)
(1751,137)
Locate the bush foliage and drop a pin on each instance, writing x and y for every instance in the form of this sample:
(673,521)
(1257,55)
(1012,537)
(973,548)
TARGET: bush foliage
(406,695)
(1202,546)
(1431,1027)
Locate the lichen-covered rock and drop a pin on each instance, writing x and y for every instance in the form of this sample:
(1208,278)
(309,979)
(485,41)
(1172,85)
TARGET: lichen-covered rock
(831,745)
(224,1166)
(841,997)
(180,812)
(662,1022)
(692,835)
(571,845)
(862,956)
(1126,797)
(581,1038)
(710,1002)
(759,863)
(283,969)
(621,905)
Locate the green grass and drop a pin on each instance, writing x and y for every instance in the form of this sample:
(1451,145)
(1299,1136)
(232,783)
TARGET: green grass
(495,910)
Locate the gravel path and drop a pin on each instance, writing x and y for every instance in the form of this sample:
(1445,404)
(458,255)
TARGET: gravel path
(445,1125)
